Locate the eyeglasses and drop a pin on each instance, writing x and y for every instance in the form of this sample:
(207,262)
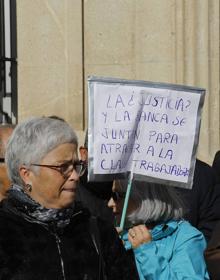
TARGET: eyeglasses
(117,196)
(66,168)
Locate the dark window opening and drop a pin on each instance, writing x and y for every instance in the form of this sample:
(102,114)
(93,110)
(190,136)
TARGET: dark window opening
(8,62)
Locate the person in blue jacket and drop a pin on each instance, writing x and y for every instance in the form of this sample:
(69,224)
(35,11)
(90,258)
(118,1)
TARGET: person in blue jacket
(164,245)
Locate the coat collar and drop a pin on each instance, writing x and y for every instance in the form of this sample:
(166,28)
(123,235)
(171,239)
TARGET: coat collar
(158,232)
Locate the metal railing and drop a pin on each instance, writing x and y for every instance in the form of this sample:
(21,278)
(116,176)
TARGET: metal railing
(8,62)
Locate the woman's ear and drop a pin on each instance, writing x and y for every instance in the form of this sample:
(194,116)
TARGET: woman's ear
(83,153)
(25,174)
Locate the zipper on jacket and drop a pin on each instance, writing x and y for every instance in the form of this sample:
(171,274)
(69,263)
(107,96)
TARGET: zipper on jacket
(58,241)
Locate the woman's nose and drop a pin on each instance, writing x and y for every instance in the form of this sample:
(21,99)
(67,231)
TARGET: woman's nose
(111,203)
(74,176)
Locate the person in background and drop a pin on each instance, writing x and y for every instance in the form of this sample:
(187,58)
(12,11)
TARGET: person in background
(216,166)
(165,246)
(94,195)
(212,254)
(44,233)
(203,200)
(5,132)
(216,203)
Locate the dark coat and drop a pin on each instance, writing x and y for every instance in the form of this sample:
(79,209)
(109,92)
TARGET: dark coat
(96,205)
(203,200)
(212,254)
(95,196)
(35,251)
(216,166)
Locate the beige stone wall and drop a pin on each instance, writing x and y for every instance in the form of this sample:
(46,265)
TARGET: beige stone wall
(60,43)
(50,59)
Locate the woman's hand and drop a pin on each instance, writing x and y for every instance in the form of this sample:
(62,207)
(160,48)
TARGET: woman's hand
(139,235)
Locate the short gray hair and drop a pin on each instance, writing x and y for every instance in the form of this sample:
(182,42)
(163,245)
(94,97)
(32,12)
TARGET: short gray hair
(32,140)
(156,203)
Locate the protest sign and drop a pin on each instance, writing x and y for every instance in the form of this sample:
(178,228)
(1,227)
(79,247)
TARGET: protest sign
(149,129)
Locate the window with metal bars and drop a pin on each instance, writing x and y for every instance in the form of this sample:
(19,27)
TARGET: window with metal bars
(8,62)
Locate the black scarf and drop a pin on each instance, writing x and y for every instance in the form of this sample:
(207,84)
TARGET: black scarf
(25,206)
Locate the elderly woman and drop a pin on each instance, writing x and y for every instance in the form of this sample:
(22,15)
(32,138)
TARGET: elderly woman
(43,233)
(165,246)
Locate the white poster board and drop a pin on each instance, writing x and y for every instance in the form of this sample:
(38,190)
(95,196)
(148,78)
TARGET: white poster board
(149,129)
